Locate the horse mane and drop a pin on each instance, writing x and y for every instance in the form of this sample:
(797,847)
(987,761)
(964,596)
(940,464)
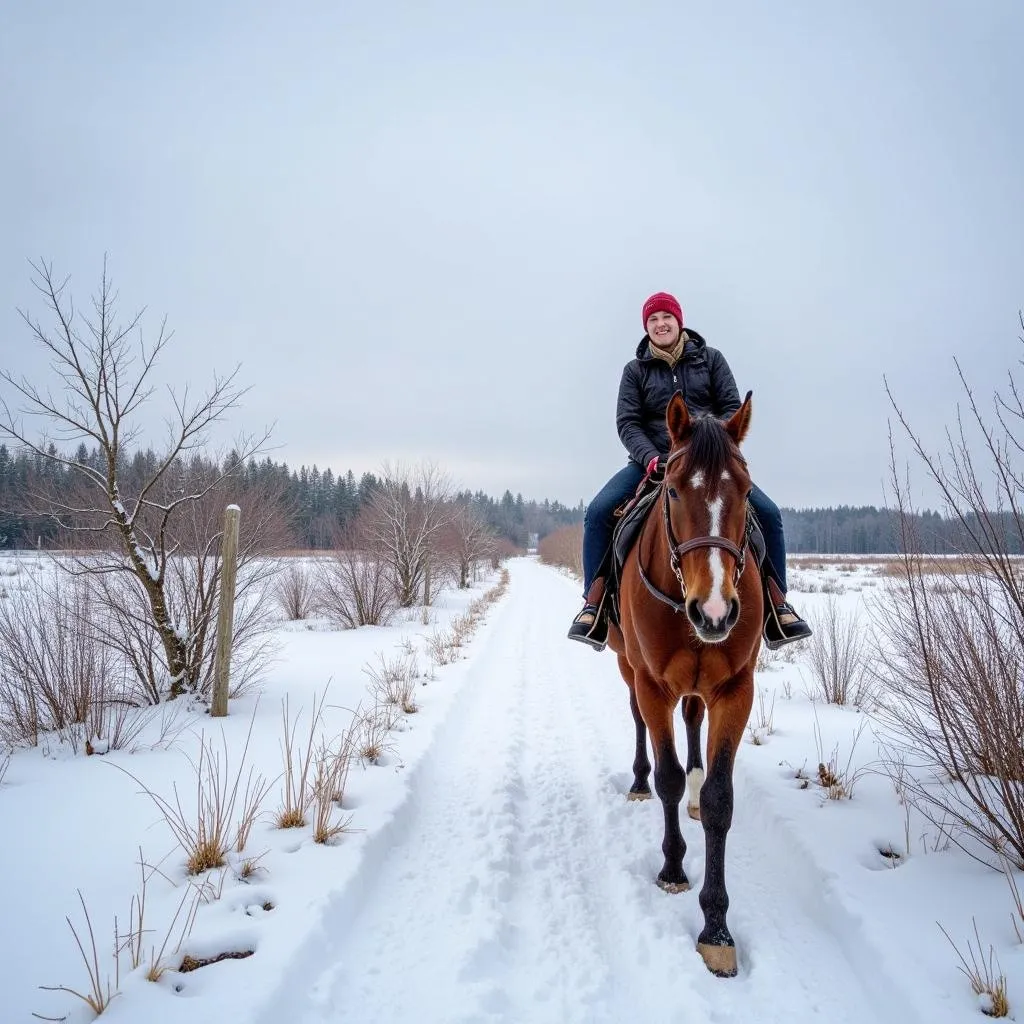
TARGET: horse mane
(709,449)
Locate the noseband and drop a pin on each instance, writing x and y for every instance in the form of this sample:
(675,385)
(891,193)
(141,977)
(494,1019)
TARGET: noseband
(677,549)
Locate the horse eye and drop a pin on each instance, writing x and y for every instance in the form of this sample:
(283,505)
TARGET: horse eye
(673,494)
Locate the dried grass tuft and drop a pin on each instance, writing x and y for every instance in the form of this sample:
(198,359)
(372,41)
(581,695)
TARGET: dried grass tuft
(985,975)
(298,793)
(206,834)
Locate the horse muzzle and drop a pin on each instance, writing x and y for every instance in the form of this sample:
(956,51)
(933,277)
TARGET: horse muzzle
(712,630)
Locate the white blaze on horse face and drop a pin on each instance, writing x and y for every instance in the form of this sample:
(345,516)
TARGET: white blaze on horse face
(697,480)
(714,608)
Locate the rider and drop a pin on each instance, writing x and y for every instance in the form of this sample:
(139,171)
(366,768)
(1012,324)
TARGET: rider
(670,359)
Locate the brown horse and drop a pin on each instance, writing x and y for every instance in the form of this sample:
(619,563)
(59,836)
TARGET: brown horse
(691,614)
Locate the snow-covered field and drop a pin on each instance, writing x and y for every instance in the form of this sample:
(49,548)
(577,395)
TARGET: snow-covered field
(494,870)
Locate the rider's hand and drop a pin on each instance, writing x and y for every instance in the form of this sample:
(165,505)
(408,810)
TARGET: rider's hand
(656,465)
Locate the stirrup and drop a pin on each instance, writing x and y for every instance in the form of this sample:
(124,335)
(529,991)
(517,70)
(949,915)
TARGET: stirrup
(776,632)
(590,627)
(591,623)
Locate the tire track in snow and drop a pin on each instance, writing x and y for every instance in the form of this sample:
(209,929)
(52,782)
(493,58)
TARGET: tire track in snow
(432,914)
(522,886)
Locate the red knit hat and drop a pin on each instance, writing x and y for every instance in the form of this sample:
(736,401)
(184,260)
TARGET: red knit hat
(662,302)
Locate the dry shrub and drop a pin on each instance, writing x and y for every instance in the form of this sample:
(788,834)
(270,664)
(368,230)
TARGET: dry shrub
(294,590)
(953,668)
(955,665)
(55,673)
(463,627)
(370,730)
(840,658)
(354,587)
(442,648)
(393,682)
(564,548)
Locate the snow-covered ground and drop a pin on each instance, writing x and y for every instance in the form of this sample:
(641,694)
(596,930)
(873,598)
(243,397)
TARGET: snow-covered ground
(495,870)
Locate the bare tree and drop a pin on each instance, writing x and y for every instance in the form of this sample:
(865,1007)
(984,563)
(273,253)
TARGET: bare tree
(954,657)
(192,590)
(105,380)
(407,512)
(467,540)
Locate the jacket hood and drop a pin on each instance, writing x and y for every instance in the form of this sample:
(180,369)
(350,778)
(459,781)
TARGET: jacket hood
(698,344)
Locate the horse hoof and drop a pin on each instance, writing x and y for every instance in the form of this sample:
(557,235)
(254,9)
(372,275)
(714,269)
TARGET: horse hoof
(719,960)
(693,812)
(632,795)
(673,887)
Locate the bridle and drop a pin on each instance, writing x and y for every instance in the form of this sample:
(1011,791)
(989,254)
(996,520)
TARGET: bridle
(677,549)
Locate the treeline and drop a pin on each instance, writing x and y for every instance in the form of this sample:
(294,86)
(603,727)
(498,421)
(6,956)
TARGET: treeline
(318,503)
(866,530)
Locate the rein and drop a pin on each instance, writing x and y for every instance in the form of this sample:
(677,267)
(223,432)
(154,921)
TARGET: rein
(677,549)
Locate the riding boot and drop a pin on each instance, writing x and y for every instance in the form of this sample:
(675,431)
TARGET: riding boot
(590,626)
(782,625)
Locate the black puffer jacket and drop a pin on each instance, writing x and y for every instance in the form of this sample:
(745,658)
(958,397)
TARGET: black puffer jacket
(702,375)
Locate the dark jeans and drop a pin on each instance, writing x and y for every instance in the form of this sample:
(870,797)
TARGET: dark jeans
(599,522)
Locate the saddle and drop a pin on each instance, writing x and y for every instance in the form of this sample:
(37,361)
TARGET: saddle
(630,517)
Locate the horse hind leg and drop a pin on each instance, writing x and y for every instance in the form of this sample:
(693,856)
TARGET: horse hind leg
(693,716)
(641,788)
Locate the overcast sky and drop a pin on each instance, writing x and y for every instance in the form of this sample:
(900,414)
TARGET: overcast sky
(426,229)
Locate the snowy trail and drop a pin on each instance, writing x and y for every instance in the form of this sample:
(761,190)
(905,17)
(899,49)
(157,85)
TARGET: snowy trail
(516,883)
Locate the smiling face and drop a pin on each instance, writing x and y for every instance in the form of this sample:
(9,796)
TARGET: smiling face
(707,484)
(663,329)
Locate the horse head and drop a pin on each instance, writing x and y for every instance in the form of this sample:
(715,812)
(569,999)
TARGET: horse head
(704,511)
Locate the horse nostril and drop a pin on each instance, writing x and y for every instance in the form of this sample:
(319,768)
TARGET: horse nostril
(695,615)
(734,613)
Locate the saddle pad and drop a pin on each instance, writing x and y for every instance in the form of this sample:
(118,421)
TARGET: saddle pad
(628,528)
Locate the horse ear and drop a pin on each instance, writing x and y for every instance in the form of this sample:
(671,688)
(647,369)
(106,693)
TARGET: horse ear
(739,423)
(677,418)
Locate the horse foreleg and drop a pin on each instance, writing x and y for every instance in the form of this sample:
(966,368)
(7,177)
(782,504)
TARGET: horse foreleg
(669,779)
(728,713)
(693,715)
(641,788)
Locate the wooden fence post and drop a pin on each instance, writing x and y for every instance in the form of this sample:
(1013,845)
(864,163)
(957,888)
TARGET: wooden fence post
(226,611)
